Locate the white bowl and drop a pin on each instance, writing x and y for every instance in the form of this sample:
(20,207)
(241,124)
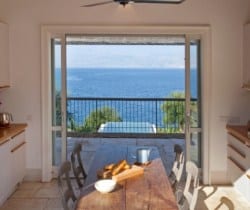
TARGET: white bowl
(105,185)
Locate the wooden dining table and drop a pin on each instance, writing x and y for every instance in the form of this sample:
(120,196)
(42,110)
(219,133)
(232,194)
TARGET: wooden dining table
(150,190)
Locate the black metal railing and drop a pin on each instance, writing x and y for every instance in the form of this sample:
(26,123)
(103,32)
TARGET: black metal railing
(125,116)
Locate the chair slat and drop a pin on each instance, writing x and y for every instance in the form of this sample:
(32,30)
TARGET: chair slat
(65,187)
(77,165)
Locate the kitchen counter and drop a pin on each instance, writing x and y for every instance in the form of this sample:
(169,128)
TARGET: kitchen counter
(11,131)
(240,132)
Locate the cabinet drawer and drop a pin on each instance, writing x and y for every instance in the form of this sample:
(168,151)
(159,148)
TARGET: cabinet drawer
(236,171)
(17,140)
(237,155)
(5,172)
(235,142)
(18,164)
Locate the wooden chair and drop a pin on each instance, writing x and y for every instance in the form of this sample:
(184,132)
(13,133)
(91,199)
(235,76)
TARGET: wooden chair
(177,169)
(187,199)
(77,165)
(67,194)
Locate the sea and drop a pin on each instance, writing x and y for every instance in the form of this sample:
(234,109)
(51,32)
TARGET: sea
(124,83)
(127,83)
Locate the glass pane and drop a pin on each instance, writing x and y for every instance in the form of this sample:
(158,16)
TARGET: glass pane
(195,145)
(113,69)
(56,82)
(56,148)
(195,106)
(56,100)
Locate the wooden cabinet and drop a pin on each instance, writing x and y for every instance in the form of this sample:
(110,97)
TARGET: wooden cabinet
(17,153)
(4,56)
(246,57)
(239,164)
(5,171)
(12,164)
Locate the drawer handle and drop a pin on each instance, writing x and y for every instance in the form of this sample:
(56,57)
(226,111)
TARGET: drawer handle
(237,137)
(18,146)
(17,134)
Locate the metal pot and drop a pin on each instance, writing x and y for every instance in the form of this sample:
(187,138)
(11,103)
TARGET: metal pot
(5,119)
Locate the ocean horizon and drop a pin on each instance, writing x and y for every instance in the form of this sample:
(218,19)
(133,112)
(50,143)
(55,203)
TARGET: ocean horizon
(126,83)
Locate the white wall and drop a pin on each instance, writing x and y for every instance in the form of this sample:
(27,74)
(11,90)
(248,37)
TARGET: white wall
(226,18)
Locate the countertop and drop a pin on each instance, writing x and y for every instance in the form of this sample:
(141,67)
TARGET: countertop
(11,131)
(240,132)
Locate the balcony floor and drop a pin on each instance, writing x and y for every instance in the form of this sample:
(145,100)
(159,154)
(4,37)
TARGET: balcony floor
(165,146)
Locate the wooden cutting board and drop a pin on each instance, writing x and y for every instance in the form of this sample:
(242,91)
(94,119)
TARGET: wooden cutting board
(129,173)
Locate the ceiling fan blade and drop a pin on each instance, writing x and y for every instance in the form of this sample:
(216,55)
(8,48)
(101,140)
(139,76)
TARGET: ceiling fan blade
(97,4)
(159,1)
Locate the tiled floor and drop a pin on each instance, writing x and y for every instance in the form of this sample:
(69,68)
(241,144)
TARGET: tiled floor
(34,196)
(44,196)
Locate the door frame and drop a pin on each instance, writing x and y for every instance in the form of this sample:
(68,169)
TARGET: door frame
(51,31)
(187,96)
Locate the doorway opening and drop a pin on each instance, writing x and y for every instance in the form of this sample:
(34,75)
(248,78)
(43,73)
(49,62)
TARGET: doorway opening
(126,86)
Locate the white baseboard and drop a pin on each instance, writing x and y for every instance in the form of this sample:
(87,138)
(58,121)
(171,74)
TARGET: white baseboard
(219,178)
(33,174)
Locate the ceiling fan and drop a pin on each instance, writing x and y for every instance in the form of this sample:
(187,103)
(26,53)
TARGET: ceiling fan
(124,2)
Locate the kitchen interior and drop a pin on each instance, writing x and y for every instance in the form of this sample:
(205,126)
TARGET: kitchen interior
(16,133)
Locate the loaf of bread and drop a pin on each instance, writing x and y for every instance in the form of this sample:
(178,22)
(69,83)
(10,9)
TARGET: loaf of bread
(109,166)
(104,174)
(127,166)
(118,167)
(113,169)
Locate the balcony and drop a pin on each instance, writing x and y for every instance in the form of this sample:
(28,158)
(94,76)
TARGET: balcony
(140,121)
(126,117)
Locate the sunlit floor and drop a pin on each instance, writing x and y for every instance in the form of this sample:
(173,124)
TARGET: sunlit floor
(221,197)
(44,196)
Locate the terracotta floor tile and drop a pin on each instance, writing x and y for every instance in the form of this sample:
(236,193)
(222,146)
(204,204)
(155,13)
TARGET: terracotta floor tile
(54,203)
(30,185)
(47,193)
(24,193)
(24,204)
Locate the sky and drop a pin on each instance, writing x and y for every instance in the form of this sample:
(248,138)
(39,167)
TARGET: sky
(125,56)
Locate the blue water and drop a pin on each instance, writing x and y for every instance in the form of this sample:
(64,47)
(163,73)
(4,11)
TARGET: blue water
(125,83)
(135,83)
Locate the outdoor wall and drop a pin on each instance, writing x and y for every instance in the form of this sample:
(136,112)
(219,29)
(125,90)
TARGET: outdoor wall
(226,18)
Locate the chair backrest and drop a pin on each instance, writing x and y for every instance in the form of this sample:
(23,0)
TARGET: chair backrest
(67,194)
(177,168)
(192,184)
(77,165)
(179,161)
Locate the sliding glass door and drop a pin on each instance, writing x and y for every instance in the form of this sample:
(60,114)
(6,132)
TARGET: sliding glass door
(189,67)
(58,100)
(193,130)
